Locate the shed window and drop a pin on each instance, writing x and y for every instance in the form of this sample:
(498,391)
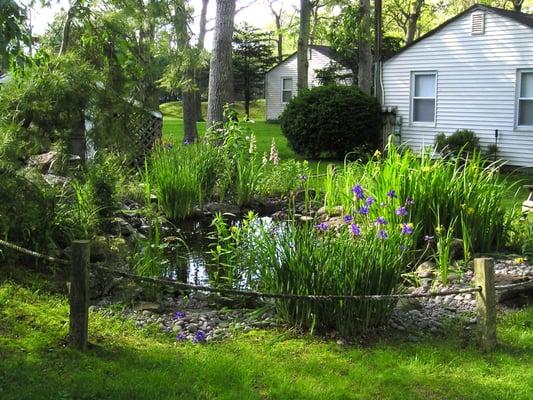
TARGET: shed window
(525,98)
(286,90)
(423,95)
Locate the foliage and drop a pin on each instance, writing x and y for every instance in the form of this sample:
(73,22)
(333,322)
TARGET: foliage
(252,57)
(331,120)
(13,33)
(450,188)
(362,257)
(332,73)
(183,177)
(280,179)
(521,236)
(461,142)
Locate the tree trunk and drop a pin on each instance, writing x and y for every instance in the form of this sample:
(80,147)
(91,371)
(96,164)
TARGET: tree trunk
(364,70)
(412,23)
(280,37)
(200,45)
(190,133)
(221,68)
(65,39)
(303,45)
(517,5)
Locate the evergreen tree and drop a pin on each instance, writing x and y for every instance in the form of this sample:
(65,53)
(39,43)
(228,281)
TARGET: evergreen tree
(252,57)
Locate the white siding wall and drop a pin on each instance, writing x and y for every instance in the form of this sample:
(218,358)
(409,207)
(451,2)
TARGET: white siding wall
(476,84)
(274,106)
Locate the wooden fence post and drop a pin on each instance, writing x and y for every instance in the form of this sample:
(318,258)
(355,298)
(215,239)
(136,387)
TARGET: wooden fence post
(486,302)
(79,294)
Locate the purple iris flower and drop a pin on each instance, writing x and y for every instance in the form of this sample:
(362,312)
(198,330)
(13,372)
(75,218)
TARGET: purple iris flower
(363,211)
(382,234)
(348,218)
(401,211)
(356,229)
(380,221)
(322,226)
(428,238)
(358,191)
(407,229)
(370,200)
(199,337)
(391,193)
(181,337)
(179,315)
(409,201)
(186,142)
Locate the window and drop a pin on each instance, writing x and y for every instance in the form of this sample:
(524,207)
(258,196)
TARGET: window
(525,98)
(423,95)
(286,90)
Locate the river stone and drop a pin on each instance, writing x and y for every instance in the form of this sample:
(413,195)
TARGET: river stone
(192,328)
(426,270)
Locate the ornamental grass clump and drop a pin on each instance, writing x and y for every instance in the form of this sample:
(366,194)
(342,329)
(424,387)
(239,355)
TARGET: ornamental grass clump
(183,177)
(364,256)
(469,188)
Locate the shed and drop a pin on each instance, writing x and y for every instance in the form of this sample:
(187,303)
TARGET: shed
(280,81)
(474,72)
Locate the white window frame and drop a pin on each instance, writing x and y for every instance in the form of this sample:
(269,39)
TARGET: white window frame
(519,97)
(412,99)
(284,90)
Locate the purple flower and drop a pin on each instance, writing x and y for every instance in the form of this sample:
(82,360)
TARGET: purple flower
(409,201)
(358,191)
(370,200)
(323,226)
(382,234)
(199,337)
(348,218)
(186,142)
(380,221)
(428,238)
(407,229)
(403,247)
(363,211)
(356,229)
(179,315)
(303,177)
(181,337)
(391,193)
(402,211)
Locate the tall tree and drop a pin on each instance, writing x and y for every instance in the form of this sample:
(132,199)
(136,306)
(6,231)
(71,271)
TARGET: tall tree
(364,72)
(13,32)
(220,71)
(414,17)
(302,57)
(252,57)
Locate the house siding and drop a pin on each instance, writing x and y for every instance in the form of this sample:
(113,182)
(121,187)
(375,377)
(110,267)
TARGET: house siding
(476,84)
(288,69)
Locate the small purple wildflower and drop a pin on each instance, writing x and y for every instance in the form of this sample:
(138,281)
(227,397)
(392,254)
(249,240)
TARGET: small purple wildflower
(380,221)
(181,337)
(199,337)
(303,177)
(348,218)
(391,193)
(358,191)
(409,201)
(370,200)
(382,234)
(356,229)
(186,142)
(323,226)
(363,211)
(401,211)
(407,229)
(179,315)
(428,238)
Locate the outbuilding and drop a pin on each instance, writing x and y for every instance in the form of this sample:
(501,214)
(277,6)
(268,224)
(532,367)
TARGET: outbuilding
(474,72)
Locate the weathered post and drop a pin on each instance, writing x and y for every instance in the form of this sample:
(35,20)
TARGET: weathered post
(79,294)
(486,302)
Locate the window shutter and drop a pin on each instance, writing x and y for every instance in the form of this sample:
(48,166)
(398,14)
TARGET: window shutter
(478,23)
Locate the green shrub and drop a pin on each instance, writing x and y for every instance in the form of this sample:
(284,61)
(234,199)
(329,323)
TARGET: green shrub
(331,121)
(280,179)
(463,141)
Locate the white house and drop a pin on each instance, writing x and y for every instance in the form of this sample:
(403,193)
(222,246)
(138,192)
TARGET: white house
(280,81)
(475,71)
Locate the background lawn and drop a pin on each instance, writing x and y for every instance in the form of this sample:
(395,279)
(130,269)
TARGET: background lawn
(265,132)
(126,363)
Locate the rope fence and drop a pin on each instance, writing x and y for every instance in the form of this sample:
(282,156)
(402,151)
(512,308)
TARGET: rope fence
(484,278)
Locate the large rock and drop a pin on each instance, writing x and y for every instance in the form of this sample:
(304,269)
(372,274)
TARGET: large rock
(223,208)
(43,161)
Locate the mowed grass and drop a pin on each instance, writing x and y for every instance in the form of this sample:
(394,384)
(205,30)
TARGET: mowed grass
(126,363)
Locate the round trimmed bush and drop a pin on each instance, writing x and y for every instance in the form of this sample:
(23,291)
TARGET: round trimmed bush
(331,121)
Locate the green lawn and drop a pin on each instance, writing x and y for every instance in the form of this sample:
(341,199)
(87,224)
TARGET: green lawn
(125,363)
